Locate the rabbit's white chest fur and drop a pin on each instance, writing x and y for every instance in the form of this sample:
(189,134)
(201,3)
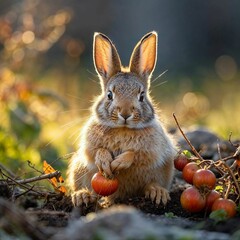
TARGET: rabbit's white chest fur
(151,145)
(152,150)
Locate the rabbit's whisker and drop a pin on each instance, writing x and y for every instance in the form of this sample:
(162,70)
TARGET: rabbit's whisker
(160,75)
(159,84)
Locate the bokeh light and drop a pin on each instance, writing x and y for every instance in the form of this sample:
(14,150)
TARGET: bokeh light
(226,67)
(28,37)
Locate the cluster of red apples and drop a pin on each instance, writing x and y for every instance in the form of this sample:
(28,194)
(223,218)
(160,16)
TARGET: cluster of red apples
(201,195)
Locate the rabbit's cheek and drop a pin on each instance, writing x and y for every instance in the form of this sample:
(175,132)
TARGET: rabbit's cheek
(113,115)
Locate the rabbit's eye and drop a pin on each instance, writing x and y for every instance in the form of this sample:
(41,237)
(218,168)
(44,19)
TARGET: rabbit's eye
(141,97)
(110,95)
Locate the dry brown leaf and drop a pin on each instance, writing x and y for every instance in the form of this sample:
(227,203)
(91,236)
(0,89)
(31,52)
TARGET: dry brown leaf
(47,168)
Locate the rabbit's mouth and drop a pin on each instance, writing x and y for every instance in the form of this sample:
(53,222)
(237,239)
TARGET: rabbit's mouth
(125,119)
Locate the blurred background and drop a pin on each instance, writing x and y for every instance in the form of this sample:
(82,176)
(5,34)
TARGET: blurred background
(47,77)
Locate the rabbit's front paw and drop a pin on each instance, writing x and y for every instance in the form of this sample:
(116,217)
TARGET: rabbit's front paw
(83,196)
(157,193)
(122,161)
(103,161)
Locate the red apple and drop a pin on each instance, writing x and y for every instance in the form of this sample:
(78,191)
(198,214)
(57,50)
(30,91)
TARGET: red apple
(104,186)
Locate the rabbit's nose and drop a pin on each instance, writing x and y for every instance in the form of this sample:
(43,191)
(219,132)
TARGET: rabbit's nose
(125,115)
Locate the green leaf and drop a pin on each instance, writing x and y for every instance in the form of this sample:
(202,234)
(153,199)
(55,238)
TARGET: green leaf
(187,153)
(169,215)
(218,215)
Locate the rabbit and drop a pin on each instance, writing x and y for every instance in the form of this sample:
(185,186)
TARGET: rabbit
(124,136)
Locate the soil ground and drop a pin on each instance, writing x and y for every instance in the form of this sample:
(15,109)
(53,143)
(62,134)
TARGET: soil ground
(57,212)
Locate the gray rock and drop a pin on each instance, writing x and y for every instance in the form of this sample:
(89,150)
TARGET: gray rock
(122,222)
(197,137)
(206,143)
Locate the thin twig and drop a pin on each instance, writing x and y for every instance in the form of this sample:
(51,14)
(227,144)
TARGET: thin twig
(219,151)
(187,140)
(9,172)
(20,184)
(237,153)
(8,178)
(228,190)
(227,158)
(233,177)
(206,163)
(23,193)
(233,144)
(38,178)
(32,166)
(229,138)
(233,166)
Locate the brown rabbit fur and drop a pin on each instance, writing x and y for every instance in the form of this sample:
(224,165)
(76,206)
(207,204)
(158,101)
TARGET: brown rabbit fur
(124,137)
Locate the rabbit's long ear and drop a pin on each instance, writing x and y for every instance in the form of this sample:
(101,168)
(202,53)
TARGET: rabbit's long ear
(144,56)
(105,57)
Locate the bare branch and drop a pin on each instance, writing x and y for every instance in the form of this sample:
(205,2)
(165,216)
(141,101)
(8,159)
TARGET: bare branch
(187,140)
(38,178)
(233,177)
(9,172)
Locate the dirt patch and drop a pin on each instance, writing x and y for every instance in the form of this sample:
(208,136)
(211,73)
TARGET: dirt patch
(57,212)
